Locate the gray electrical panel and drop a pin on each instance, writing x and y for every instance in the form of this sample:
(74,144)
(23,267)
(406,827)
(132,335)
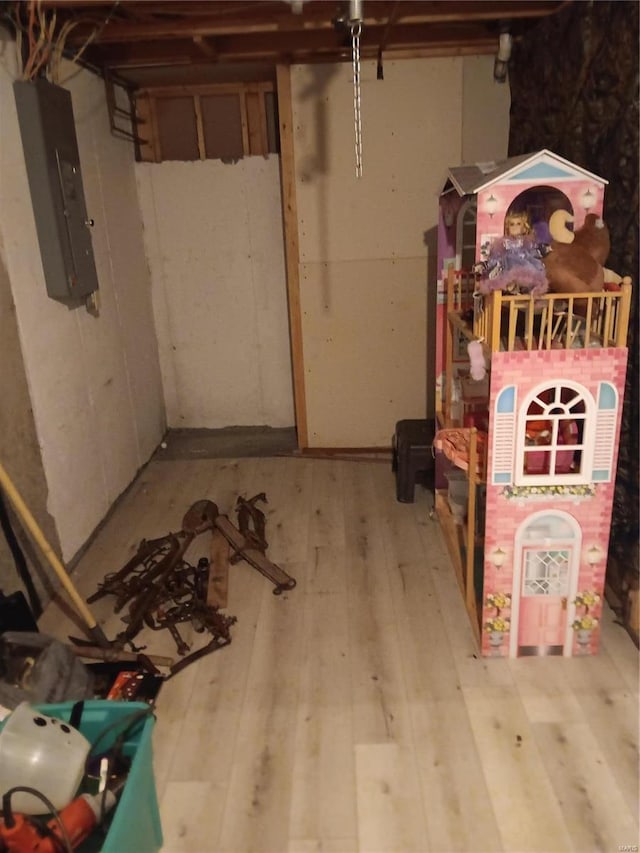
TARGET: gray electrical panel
(48,132)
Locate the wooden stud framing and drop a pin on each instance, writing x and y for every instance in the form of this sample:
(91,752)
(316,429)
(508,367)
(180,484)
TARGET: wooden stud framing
(255,123)
(143,117)
(199,127)
(244,121)
(252,113)
(155,135)
(292,248)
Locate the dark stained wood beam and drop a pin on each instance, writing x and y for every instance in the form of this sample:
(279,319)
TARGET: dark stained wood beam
(121,34)
(183,19)
(254,46)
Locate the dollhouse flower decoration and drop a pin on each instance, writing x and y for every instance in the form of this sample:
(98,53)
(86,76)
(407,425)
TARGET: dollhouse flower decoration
(499,600)
(587,599)
(585,623)
(496,627)
(497,624)
(584,626)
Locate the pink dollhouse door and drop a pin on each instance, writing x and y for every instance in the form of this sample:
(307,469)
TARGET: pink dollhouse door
(543,600)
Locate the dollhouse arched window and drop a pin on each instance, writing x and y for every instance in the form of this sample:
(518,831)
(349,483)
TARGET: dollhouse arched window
(576,443)
(555,435)
(466,227)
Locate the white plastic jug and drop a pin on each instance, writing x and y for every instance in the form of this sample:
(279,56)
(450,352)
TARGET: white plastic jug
(40,752)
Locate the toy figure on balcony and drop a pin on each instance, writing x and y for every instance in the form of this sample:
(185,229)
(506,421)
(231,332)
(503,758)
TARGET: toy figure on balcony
(515,263)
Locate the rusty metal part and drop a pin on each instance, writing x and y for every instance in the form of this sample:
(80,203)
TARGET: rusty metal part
(252,523)
(202,579)
(161,591)
(215,644)
(113,655)
(153,573)
(199,517)
(120,581)
(256,558)
(218,581)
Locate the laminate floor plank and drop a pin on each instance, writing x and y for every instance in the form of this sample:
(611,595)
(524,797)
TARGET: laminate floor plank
(473,670)
(190,811)
(612,716)
(289,509)
(530,818)
(545,692)
(182,699)
(323,808)
(378,692)
(390,808)
(593,807)
(622,653)
(354,713)
(453,787)
(331,845)
(259,792)
(426,651)
(455,794)
(208,696)
(327,522)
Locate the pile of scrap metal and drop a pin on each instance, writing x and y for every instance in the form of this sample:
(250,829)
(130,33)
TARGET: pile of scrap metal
(161,590)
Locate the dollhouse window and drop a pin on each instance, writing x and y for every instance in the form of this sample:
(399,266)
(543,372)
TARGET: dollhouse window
(504,418)
(466,235)
(546,572)
(605,438)
(555,436)
(561,438)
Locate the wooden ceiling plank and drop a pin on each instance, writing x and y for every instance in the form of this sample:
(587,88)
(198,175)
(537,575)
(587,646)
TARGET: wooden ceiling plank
(271,44)
(205,46)
(207,24)
(184,33)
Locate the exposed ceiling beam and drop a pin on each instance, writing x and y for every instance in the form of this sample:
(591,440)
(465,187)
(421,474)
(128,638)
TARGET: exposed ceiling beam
(263,45)
(121,35)
(203,23)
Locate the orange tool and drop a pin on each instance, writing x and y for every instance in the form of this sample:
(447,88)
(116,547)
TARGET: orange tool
(22,834)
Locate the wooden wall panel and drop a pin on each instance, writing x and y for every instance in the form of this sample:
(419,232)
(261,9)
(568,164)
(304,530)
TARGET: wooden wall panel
(367,246)
(364,334)
(411,129)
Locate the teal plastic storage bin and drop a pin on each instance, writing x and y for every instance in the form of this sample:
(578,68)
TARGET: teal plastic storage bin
(135,824)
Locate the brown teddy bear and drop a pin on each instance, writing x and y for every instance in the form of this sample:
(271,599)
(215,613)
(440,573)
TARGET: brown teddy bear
(575,262)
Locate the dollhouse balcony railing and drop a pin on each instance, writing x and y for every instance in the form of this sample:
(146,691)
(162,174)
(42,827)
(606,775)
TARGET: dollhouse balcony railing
(509,323)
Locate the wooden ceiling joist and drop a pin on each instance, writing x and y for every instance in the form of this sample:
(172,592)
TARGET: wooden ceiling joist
(123,35)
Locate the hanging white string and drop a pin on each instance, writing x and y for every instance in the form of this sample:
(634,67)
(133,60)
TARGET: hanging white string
(355,56)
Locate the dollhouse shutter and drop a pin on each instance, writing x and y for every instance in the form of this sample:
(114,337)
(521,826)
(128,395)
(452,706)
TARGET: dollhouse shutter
(605,437)
(504,433)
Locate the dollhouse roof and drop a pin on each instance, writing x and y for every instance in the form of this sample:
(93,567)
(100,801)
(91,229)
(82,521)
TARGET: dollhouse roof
(540,166)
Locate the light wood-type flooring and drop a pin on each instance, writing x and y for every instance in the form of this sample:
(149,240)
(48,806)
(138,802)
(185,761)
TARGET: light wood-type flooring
(354,713)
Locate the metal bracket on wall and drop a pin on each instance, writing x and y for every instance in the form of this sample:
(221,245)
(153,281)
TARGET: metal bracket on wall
(116,112)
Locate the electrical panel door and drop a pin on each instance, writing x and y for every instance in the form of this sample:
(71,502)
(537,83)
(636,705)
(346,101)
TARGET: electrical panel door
(47,128)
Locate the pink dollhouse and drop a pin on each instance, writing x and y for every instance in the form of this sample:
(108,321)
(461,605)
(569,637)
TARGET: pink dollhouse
(535,427)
